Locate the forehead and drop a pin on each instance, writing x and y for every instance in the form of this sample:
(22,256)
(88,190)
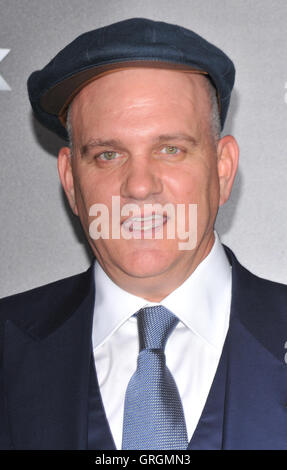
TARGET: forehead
(136,79)
(137,94)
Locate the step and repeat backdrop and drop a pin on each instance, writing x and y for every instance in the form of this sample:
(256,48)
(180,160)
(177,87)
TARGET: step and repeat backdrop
(41,240)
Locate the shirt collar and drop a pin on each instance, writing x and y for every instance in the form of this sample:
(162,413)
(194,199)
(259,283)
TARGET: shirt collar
(199,302)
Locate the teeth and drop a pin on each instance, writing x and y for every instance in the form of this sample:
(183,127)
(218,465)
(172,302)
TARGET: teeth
(141,223)
(150,217)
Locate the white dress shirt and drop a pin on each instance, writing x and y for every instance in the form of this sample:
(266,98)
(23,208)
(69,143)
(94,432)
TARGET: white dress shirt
(202,304)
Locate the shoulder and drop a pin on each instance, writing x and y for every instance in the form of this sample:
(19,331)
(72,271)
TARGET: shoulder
(250,282)
(266,297)
(257,293)
(55,300)
(260,305)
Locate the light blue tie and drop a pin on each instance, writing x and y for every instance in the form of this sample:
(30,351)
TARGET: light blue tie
(153,414)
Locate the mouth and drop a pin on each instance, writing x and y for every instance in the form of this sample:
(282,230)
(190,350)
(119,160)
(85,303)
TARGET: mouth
(148,224)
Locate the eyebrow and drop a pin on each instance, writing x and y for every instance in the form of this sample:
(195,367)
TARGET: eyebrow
(92,143)
(180,136)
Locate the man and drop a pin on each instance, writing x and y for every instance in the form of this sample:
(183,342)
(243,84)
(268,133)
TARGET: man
(156,346)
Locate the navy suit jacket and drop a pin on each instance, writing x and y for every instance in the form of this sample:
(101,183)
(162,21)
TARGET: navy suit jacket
(45,347)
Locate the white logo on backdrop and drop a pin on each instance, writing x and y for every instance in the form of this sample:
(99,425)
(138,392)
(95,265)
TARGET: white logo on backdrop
(4,85)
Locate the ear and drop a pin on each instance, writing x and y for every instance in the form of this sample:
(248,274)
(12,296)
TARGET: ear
(66,176)
(227,164)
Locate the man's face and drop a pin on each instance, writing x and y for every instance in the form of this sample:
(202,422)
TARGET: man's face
(144,135)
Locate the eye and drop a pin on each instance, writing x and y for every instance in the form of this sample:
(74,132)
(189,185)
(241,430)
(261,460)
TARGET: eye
(170,150)
(109,155)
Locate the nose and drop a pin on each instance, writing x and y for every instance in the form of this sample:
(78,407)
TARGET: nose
(141,181)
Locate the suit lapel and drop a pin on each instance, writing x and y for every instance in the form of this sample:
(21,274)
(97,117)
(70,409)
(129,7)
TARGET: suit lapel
(46,381)
(256,393)
(255,405)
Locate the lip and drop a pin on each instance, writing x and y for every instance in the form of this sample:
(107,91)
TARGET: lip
(144,214)
(144,224)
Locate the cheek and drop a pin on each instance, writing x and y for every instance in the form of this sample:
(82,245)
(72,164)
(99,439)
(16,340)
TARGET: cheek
(85,196)
(188,184)
(197,185)
(90,189)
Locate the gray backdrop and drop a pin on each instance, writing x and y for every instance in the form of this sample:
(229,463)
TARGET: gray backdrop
(40,240)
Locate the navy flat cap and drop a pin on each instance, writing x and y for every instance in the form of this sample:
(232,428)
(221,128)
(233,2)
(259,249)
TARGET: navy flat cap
(129,43)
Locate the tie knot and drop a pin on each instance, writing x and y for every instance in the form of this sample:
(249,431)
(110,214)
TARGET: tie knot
(155,325)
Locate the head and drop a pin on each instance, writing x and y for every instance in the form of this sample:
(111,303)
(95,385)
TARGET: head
(148,136)
(144,129)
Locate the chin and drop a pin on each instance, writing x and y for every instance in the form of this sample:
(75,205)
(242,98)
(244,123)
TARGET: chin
(147,263)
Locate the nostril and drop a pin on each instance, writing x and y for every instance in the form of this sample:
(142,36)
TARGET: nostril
(141,186)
